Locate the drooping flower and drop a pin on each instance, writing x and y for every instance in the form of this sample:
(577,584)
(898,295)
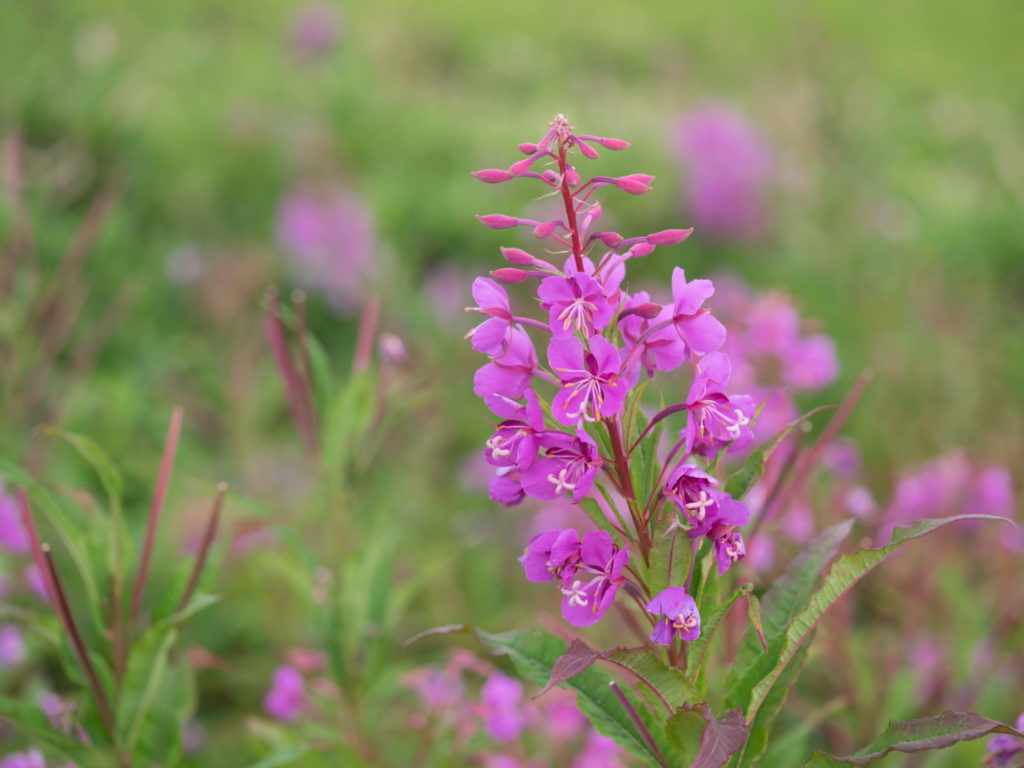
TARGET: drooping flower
(492,335)
(567,466)
(690,488)
(584,602)
(575,303)
(591,388)
(552,555)
(696,326)
(714,418)
(286,699)
(681,617)
(1004,749)
(729,549)
(510,373)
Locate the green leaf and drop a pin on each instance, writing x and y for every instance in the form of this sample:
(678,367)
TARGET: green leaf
(285,755)
(684,731)
(198,603)
(30,720)
(670,557)
(670,685)
(787,596)
(88,449)
(534,655)
(925,733)
(147,663)
(845,572)
(593,510)
(697,650)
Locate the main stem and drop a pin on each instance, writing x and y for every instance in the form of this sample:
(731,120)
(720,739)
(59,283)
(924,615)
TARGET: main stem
(570,209)
(626,483)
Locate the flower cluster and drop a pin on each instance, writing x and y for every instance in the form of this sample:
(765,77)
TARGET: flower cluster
(501,727)
(603,344)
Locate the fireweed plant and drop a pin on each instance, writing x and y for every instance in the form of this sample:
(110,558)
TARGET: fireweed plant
(566,390)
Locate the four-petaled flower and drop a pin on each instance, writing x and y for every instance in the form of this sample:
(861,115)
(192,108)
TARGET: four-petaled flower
(575,303)
(714,418)
(682,619)
(591,388)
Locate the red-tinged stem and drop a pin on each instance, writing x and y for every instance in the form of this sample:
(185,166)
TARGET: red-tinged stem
(806,462)
(570,209)
(638,344)
(302,334)
(159,494)
(60,602)
(626,484)
(658,487)
(293,386)
(22,238)
(33,537)
(367,331)
(694,546)
(631,711)
(204,548)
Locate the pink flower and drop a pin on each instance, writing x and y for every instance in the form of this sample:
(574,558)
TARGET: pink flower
(12,646)
(286,699)
(500,697)
(13,536)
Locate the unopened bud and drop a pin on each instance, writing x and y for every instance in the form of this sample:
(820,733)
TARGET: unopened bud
(528,148)
(634,183)
(669,236)
(551,177)
(508,275)
(492,175)
(498,221)
(648,311)
(640,250)
(613,144)
(517,256)
(520,167)
(588,151)
(572,177)
(611,239)
(545,229)
(392,349)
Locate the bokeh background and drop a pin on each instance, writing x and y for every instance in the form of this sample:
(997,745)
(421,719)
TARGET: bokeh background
(889,207)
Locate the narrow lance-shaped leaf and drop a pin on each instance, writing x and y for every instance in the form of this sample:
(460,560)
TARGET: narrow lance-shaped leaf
(845,572)
(925,733)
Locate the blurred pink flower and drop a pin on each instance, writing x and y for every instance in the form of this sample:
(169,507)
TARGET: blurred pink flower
(12,646)
(501,707)
(728,165)
(315,31)
(328,234)
(286,699)
(13,536)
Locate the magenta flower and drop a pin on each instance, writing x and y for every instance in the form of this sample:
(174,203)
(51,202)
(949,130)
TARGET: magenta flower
(501,698)
(600,752)
(506,487)
(729,549)
(286,699)
(811,363)
(515,442)
(33,758)
(690,488)
(659,350)
(715,419)
(567,466)
(329,236)
(728,166)
(492,335)
(576,302)
(682,619)
(584,601)
(12,646)
(510,373)
(315,31)
(695,325)
(590,380)
(13,536)
(1004,749)
(551,555)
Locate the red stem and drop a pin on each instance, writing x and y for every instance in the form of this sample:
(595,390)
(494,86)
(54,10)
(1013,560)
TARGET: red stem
(204,549)
(367,330)
(570,209)
(166,465)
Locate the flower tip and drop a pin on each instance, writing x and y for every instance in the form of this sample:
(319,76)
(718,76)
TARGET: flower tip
(611,239)
(669,236)
(588,151)
(517,256)
(528,148)
(498,221)
(545,229)
(508,275)
(648,311)
(520,167)
(613,144)
(640,250)
(492,175)
(634,183)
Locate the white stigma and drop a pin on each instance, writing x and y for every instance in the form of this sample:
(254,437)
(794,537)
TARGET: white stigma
(576,594)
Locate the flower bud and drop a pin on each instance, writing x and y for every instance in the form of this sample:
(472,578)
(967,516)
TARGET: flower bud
(640,250)
(634,183)
(545,229)
(588,151)
(509,275)
(613,144)
(648,311)
(669,236)
(611,239)
(498,221)
(520,167)
(572,177)
(517,256)
(528,148)
(492,175)
(551,177)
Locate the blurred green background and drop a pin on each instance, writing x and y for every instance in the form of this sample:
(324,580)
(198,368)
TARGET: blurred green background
(897,226)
